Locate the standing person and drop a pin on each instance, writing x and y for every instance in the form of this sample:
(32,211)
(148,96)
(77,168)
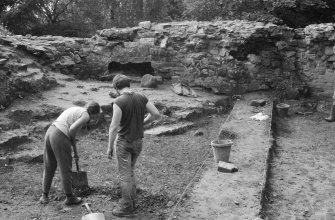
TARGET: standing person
(58,140)
(331,117)
(126,134)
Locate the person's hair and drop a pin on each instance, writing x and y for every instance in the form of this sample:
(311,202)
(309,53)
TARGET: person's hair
(93,108)
(120,81)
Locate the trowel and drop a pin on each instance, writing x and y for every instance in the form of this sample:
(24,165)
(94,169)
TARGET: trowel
(79,178)
(92,216)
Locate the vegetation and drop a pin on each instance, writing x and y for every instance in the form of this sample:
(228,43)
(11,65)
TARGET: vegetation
(83,17)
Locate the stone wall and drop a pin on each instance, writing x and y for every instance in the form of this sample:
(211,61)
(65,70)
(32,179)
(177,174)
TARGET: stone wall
(230,57)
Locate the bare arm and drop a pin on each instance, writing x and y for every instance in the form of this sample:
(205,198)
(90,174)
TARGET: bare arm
(153,113)
(113,129)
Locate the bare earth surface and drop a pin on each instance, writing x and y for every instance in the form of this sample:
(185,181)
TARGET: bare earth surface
(166,165)
(236,195)
(177,176)
(302,179)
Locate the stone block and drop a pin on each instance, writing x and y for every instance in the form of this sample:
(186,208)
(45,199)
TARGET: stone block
(254,59)
(145,24)
(332,58)
(159,79)
(226,167)
(258,102)
(164,42)
(3,61)
(147,41)
(281,45)
(172,129)
(329,51)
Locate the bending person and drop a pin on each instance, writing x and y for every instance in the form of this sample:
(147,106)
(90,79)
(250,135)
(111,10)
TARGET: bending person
(331,117)
(58,140)
(126,134)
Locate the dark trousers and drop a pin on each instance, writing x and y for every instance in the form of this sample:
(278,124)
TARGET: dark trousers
(126,155)
(57,151)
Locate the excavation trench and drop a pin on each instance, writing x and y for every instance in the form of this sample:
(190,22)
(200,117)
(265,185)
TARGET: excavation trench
(165,166)
(301,175)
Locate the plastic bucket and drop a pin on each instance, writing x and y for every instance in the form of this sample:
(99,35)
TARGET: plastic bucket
(282,109)
(221,150)
(94,216)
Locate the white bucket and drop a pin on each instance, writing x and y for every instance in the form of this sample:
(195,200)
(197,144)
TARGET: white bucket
(94,216)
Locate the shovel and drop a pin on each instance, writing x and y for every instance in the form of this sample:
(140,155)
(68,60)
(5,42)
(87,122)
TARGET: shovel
(92,216)
(79,178)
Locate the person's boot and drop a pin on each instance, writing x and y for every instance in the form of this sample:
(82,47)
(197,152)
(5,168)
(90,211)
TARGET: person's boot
(44,199)
(122,210)
(73,200)
(331,117)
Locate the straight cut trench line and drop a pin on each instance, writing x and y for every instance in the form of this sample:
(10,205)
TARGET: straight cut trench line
(196,172)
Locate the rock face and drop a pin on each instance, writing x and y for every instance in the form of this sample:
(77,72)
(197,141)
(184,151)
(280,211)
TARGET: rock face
(228,57)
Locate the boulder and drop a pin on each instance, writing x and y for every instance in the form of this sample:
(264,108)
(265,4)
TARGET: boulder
(149,81)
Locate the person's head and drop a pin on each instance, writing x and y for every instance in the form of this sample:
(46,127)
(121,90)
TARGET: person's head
(93,108)
(120,82)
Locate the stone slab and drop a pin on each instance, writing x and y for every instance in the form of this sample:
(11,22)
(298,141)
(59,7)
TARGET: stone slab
(173,129)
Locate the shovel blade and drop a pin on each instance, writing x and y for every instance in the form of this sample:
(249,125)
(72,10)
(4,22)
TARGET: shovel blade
(94,216)
(79,179)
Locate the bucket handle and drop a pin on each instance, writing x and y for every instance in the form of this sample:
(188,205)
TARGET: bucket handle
(88,207)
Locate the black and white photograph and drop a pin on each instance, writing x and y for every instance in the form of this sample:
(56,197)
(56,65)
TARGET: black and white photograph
(167,109)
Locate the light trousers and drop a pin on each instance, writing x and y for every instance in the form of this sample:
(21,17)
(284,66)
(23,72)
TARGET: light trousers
(126,155)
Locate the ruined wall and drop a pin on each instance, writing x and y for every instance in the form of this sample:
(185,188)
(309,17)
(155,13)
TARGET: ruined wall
(315,56)
(230,57)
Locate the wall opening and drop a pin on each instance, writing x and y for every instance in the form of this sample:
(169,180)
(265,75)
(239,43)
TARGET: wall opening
(133,69)
(252,46)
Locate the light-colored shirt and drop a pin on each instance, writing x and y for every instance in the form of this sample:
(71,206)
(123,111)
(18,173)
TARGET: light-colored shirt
(67,118)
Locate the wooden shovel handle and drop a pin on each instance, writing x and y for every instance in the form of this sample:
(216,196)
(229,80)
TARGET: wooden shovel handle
(75,154)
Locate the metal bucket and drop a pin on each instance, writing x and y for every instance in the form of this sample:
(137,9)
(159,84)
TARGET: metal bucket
(282,109)
(221,150)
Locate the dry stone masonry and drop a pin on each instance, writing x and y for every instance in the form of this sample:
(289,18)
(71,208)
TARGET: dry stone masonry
(228,57)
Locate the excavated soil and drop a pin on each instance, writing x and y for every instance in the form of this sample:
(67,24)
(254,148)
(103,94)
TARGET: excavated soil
(300,184)
(302,177)
(165,167)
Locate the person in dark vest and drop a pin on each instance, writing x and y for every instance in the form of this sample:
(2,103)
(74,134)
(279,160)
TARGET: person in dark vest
(125,138)
(59,138)
(331,117)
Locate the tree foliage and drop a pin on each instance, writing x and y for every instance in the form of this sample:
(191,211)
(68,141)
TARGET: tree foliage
(4,4)
(21,17)
(83,17)
(300,13)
